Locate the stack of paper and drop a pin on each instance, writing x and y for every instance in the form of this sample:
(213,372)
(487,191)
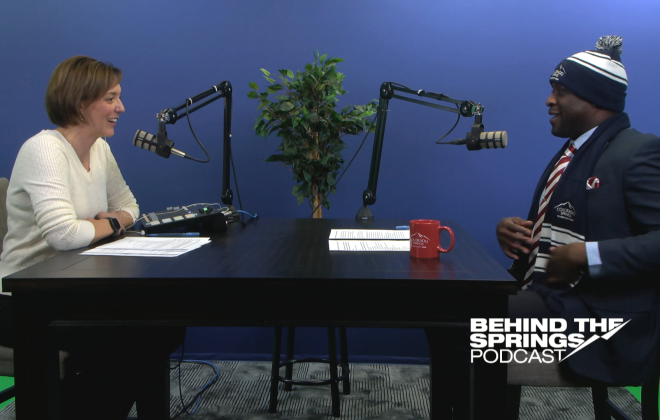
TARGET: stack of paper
(369,240)
(148,247)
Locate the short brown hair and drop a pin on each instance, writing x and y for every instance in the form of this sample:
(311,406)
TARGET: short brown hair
(74,84)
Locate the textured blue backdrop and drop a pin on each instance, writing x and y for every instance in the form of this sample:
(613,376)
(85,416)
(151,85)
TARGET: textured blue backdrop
(499,53)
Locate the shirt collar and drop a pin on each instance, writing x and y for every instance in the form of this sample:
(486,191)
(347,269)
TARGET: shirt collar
(583,138)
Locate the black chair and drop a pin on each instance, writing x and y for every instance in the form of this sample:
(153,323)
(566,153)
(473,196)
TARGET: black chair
(6,353)
(550,375)
(7,369)
(289,362)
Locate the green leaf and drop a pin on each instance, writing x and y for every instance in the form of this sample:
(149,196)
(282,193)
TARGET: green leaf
(300,199)
(308,177)
(331,180)
(289,73)
(295,189)
(269,79)
(252,95)
(253,86)
(275,158)
(333,60)
(322,57)
(265,72)
(286,106)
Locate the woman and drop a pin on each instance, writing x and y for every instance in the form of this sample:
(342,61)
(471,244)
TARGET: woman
(66,180)
(66,192)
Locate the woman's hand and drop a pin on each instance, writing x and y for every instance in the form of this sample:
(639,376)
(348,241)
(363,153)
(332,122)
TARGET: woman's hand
(102,229)
(125,220)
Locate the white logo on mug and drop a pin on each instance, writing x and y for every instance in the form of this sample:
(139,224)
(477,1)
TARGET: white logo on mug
(417,240)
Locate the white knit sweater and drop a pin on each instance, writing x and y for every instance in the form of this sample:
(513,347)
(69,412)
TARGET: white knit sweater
(51,194)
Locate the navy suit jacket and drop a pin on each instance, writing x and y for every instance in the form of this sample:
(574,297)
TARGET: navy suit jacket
(623,216)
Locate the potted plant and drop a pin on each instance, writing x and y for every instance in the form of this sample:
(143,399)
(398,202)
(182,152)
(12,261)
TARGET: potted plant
(303,114)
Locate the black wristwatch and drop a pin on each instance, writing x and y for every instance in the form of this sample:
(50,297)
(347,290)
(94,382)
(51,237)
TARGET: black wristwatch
(114,224)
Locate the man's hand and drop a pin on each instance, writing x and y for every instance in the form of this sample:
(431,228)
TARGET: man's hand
(566,264)
(514,234)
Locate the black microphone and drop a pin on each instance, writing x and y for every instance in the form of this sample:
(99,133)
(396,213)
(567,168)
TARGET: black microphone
(486,140)
(483,140)
(158,144)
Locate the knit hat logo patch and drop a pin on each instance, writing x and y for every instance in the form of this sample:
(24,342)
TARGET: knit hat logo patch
(560,71)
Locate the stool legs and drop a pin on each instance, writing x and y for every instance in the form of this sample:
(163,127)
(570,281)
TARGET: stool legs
(275,369)
(334,386)
(332,361)
(343,349)
(290,338)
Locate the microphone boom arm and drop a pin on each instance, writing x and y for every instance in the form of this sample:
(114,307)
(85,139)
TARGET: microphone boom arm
(387,89)
(171,116)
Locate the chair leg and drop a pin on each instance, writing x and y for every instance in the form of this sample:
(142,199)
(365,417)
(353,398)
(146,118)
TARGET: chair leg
(599,397)
(7,394)
(650,401)
(334,386)
(343,350)
(290,339)
(275,369)
(513,401)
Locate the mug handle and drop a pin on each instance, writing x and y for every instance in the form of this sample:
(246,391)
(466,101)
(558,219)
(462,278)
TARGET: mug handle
(451,243)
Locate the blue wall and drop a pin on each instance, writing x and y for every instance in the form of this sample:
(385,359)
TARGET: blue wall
(499,53)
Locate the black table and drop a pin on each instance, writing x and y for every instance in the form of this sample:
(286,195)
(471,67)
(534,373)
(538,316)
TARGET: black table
(263,272)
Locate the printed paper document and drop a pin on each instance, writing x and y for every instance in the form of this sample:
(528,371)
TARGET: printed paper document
(369,240)
(149,247)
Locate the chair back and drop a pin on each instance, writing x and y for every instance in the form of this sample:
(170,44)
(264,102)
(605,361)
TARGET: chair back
(6,353)
(6,361)
(4,185)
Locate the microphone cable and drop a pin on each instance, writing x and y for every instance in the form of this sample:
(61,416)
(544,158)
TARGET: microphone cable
(233,170)
(196,399)
(208,158)
(458,118)
(452,129)
(349,162)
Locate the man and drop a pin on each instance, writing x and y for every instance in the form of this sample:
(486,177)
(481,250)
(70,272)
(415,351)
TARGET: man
(590,247)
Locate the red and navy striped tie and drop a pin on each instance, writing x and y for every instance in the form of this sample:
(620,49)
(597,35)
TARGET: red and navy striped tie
(559,168)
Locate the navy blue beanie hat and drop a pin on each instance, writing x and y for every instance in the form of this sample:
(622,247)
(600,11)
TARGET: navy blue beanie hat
(597,76)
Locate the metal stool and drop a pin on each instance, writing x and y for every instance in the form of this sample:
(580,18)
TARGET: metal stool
(334,380)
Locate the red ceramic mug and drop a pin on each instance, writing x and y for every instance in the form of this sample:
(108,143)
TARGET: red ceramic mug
(425,238)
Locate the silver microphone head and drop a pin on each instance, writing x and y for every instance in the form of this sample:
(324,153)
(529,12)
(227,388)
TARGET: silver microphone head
(493,139)
(144,140)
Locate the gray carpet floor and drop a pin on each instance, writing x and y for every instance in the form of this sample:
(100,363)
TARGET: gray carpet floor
(393,392)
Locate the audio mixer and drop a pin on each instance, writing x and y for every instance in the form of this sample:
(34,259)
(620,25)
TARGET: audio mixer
(192,218)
